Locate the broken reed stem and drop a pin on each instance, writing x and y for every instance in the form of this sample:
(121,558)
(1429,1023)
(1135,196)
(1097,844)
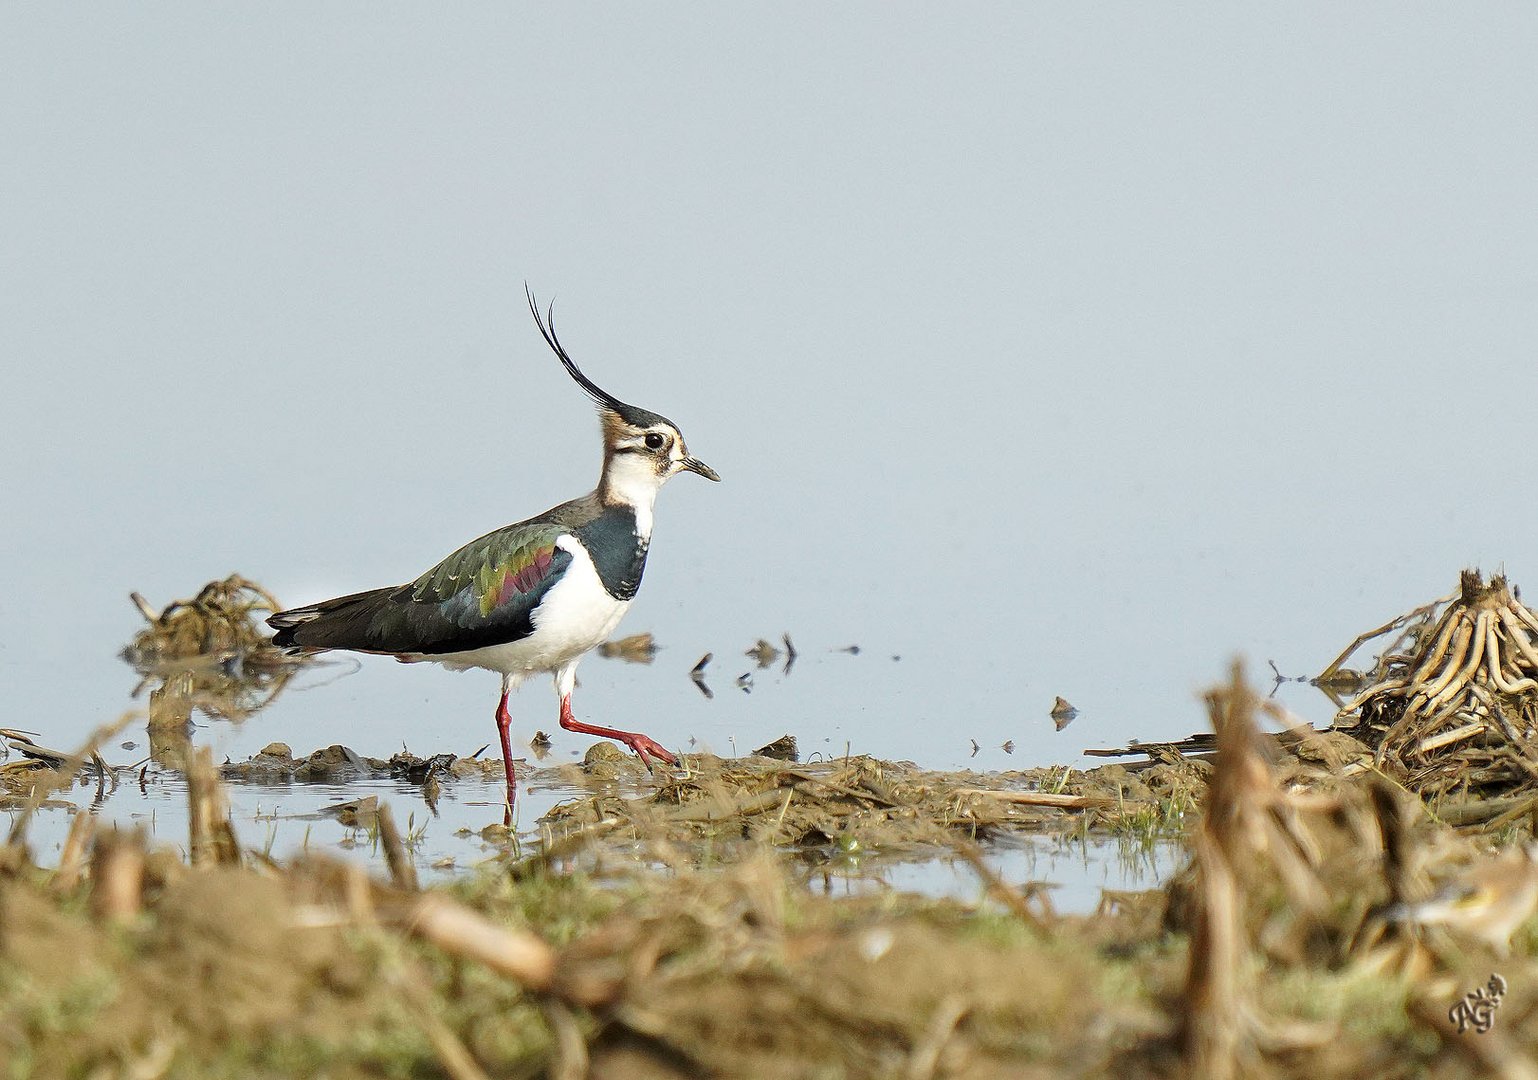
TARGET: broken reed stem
(1393,624)
(403,871)
(996,886)
(1393,828)
(211,837)
(924,1061)
(117,874)
(72,857)
(1214,1018)
(1244,815)
(459,931)
(1448,738)
(571,1056)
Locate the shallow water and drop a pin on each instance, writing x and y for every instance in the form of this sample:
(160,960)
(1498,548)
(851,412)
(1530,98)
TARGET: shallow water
(282,820)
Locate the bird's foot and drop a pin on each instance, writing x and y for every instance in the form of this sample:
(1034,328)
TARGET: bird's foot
(647,748)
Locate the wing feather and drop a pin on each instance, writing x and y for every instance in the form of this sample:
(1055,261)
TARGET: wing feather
(483,594)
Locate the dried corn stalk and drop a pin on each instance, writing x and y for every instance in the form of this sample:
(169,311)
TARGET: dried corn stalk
(1462,673)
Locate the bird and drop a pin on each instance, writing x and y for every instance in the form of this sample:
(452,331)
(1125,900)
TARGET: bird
(1487,902)
(533,597)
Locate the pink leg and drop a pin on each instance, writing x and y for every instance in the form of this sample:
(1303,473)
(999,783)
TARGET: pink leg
(643,746)
(505,721)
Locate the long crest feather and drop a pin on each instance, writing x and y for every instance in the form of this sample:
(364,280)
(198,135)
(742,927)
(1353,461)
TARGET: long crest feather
(546,324)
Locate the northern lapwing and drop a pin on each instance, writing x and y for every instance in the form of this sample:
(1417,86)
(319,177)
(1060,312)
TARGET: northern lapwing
(532,597)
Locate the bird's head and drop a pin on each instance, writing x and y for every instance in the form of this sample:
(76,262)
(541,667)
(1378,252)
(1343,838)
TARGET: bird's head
(641,449)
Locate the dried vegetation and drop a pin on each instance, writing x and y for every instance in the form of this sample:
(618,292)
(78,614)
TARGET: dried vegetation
(1451,706)
(215,644)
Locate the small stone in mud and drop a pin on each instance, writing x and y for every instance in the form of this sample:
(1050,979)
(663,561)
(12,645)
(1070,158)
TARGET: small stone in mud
(603,759)
(335,759)
(782,749)
(277,750)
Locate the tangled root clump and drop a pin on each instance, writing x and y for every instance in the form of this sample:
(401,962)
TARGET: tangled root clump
(210,653)
(218,621)
(1463,673)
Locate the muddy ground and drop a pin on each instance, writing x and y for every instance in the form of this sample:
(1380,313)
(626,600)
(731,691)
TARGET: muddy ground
(671,934)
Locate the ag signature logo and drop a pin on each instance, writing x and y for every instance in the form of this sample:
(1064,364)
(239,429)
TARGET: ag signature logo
(1477,1009)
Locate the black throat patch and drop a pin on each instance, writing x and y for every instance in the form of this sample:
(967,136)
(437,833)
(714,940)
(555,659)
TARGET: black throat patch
(618,553)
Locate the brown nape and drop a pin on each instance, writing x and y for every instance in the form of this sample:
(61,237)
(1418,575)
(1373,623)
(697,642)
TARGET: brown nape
(614,429)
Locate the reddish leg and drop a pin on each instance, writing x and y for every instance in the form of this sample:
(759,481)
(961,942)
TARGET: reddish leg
(505,721)
(644,747)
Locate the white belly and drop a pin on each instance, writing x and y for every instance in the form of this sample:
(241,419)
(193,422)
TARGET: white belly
(576,615)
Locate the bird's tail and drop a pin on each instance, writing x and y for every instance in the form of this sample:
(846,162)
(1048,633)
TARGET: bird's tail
(343,623)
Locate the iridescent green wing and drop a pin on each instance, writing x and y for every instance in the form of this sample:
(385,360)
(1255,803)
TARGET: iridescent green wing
(497,570)
(483,594)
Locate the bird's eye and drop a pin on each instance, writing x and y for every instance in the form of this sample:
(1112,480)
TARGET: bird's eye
(655,441)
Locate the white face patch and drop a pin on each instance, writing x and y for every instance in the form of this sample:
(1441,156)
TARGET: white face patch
(633,479)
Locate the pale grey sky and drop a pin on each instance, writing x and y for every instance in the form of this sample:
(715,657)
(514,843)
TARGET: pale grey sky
(1060,349)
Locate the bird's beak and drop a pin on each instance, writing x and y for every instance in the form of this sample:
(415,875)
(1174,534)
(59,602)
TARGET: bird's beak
(695,465)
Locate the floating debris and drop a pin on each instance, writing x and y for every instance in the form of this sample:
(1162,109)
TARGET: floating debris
(1009,746)
(764,653)
(218,638)
(975,748)
(745,682)
(39,769)
(1062,713)
(218,621)
(540,743)
(636,649)
(418,770)
(852,650)
(1335,750)
(782,749)
(697,675)
(790,654)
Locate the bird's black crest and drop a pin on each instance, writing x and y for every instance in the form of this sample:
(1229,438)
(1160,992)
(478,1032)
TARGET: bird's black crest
(546,323)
